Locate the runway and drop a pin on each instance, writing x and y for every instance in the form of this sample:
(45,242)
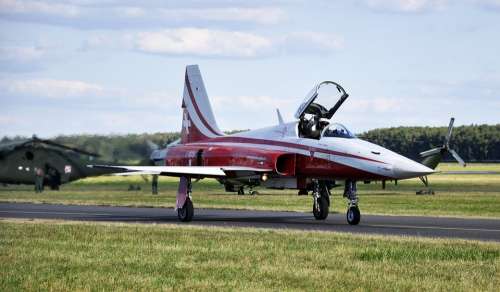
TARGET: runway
(465,228)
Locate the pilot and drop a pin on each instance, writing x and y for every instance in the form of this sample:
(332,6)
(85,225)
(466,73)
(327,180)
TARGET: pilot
(39,175)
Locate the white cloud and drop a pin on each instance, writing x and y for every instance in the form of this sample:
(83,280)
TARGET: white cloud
(129,11)
(250,102)
(202,42)
(133,14)
(495,4)
(305,41)
(380,105)
(261,15)
(21,54)
(222,43)
(410,6)
(52,88)
(80,91)
(40,7)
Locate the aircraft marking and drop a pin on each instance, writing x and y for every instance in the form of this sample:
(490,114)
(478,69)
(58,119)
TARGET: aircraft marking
(195,105)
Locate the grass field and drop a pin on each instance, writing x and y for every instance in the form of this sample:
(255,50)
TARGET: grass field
(456,195)
(41,255)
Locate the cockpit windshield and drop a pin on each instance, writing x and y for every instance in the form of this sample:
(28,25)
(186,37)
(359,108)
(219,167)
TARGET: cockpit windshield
(337,130)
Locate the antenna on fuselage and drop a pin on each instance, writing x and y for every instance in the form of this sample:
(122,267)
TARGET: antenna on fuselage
(280,118)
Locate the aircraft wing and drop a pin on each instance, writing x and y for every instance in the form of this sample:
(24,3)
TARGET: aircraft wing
(180,171)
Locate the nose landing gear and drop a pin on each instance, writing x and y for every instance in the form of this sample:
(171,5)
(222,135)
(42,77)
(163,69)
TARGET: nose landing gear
(353,215)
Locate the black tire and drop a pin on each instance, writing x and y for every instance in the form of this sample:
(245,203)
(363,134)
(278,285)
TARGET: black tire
(353,215)
(186,213)
(320,211)
(241,191)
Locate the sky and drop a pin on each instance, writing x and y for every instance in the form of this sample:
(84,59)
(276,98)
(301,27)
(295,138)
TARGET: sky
(116,67)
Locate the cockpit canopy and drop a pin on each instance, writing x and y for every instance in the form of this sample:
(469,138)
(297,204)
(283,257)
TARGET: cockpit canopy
(337,130)
(319,106)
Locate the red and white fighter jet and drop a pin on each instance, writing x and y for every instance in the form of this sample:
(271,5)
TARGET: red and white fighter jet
(309,154)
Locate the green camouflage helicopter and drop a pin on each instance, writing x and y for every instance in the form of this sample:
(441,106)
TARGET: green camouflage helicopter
(20,161)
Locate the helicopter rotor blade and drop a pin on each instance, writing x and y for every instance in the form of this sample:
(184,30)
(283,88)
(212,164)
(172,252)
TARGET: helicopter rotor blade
(450,130)
(431,152)
(457,157)
(52,143)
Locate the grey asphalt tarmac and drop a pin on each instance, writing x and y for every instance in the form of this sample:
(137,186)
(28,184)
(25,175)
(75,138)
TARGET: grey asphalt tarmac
(466,228)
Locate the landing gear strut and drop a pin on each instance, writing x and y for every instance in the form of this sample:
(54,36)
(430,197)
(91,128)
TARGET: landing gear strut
(321,203)
(350,192)
(184,205)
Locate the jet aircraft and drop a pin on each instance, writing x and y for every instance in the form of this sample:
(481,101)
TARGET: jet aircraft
(310,153)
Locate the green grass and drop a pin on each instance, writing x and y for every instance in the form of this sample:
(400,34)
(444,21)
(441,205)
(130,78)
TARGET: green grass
(69,256)
(456,195)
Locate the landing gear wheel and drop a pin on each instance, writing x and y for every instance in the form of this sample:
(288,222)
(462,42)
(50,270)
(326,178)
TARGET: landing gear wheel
(353,215)
(186,213)
(254,193)
(320,208)
(241,191)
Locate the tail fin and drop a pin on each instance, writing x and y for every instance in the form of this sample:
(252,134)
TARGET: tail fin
(198,122)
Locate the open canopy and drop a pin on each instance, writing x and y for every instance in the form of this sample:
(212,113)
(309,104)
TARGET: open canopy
(320,101)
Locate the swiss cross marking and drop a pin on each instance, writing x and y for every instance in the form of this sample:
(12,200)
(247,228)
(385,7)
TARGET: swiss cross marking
(186,123)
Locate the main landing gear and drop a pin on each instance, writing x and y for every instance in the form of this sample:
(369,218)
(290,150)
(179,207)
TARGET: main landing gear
(184,205)
(350,192)
(321,203)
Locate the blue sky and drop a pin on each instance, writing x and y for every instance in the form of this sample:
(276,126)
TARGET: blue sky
(85,66)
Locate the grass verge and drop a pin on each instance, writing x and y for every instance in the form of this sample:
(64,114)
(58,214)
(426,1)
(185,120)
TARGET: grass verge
(43,255)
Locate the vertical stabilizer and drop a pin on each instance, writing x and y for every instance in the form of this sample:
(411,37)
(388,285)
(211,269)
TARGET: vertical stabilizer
(198,122)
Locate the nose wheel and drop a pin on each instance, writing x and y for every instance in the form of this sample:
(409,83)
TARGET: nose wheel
(353,215)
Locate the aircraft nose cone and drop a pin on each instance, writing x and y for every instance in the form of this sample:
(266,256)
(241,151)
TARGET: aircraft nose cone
(407,168)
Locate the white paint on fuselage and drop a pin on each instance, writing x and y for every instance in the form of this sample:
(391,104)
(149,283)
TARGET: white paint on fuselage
(375,159)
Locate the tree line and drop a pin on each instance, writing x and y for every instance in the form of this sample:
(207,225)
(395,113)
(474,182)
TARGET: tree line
(473,143)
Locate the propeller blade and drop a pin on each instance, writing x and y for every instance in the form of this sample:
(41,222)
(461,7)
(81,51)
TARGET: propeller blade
(450,130)
(457,157)
(431,152)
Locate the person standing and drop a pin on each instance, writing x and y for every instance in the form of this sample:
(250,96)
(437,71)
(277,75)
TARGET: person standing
(154,184)
(39,175)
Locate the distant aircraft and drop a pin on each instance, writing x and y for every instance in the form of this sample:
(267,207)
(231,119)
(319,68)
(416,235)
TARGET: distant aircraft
(60,164)
(311,153)
(431,158)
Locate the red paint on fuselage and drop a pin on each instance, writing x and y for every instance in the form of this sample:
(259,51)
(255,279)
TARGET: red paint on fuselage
(207,153)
